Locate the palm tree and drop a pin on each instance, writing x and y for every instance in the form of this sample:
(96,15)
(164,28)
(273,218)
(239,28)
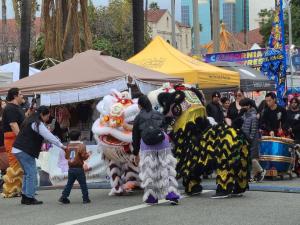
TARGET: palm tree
(25,38)
(154,6)
(245,22)
(4,33)
(138,25)
(216,25)
(62,25)
(196,27)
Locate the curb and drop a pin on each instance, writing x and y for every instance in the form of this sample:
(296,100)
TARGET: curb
(264,188)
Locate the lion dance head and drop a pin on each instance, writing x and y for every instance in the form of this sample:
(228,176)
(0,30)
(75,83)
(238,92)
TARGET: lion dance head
(113,132)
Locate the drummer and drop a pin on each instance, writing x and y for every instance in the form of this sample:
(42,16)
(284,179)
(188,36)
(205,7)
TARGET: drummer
(273,121)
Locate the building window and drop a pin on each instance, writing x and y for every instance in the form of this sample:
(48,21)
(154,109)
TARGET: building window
(167,21)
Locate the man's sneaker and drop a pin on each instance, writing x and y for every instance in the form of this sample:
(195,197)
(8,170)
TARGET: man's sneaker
(220,195)
(196,189)
(64,200)
(236,195)
(34,201)
(151,200)
(31,201)
(260,176)
(24,199)
(86,201)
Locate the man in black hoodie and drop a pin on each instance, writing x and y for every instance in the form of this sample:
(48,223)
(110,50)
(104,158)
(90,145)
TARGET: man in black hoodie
(214,109)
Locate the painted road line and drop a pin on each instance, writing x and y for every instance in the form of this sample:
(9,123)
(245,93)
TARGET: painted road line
(116,212)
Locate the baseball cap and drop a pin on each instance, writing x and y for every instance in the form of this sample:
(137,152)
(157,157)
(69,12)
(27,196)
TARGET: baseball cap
(216,94)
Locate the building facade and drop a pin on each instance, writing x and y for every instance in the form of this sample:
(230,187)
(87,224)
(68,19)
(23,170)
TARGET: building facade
(254,8)
(231,13)
(242,15)
(229,18)
(186,12)
(160,23)
(204,17)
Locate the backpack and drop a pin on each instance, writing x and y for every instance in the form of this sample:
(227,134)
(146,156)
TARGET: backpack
(152,133)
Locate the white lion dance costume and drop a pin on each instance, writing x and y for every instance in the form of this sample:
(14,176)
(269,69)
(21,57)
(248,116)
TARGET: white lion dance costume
(158,171)
(113,133)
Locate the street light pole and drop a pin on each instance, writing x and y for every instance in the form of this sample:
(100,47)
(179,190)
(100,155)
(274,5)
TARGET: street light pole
(288,5)
(173,23)
(196,27)
(216,25)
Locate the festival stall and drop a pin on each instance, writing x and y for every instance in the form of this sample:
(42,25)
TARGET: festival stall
(72,90)
(85,76)
(251,79)
(161,56)
(10,72)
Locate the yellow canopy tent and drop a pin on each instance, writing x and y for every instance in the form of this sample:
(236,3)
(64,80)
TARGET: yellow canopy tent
(162,57)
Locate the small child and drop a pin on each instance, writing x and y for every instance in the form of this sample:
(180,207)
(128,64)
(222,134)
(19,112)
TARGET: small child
(75,154)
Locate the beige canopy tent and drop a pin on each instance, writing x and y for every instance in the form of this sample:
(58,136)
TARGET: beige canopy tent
(86,76)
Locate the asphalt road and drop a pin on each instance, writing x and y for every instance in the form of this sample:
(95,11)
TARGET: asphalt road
(255,208)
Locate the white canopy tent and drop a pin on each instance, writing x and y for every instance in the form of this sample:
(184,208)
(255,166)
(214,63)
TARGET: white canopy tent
(10,72)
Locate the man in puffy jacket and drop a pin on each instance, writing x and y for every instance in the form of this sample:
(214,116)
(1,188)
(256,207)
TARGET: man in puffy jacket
(250,129)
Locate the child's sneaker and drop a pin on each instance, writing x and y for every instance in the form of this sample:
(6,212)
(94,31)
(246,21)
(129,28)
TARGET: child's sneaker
(86,201)
(64,200)
(260,176)
(151,200)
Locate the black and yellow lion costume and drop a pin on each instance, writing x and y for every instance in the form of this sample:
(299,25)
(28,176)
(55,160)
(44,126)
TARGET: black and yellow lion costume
(201,148)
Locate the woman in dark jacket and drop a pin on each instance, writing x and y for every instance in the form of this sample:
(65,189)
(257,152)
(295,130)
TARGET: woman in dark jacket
(27,148)
(157,164)
(234,108)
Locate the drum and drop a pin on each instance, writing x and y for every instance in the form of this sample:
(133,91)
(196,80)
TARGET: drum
(276,154)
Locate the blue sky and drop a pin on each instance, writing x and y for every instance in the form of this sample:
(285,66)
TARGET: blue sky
(164,4)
